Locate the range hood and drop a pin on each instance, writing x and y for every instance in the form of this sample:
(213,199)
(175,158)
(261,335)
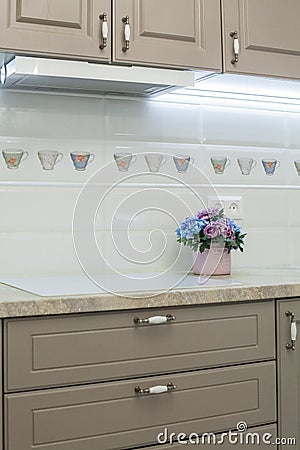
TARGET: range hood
(29,73)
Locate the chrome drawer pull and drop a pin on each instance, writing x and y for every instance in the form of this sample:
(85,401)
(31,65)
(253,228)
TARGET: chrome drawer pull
(293,331)
(155,320)
(103,17)
(155,389)
(236,47)
(125,20)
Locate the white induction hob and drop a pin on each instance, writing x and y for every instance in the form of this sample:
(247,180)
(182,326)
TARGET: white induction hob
(52,286)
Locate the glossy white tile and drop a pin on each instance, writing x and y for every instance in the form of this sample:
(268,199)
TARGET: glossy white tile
(242,126)
(133,120)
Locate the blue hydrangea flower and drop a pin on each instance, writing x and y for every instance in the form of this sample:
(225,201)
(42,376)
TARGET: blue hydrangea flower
(190,228)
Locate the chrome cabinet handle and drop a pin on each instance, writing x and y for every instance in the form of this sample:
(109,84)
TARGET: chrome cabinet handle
(236,47)
(104,31)
(155,320)
(293,331)
(155,389)
(125,20)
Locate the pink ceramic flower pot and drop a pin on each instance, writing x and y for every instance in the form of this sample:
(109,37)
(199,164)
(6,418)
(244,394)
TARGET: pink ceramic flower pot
(215,261)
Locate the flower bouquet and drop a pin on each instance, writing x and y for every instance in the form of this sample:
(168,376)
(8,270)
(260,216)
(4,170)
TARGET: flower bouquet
(212,236)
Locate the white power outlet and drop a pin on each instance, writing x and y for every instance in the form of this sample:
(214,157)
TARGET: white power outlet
(232,205)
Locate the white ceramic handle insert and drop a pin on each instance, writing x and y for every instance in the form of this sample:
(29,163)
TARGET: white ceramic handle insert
(127,32)
(155,389)
(293,331)
(155,320)
(104,30)
(236,46)
(125,20)
(158,389)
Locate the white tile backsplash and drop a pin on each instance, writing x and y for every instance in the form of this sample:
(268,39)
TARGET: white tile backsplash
(48,117)
(293,241)
(264,247)
(37,253)
(133,120)
(241,126)
(135,213)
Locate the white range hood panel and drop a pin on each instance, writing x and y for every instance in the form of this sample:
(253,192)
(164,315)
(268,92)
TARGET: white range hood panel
(83,77)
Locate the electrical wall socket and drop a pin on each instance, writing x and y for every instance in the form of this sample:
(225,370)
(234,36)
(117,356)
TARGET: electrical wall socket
(232,205)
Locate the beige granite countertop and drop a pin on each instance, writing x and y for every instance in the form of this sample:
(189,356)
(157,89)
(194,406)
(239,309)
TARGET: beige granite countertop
(256,284)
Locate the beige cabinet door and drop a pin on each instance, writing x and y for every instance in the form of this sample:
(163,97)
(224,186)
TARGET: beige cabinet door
(288,373)
(117,415)
(172,33)
(52,351)
(68,28)
(268,34)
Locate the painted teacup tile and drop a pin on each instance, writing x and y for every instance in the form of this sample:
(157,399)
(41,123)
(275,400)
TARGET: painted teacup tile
(219,163)
(182,162)
(14,157)
(155,161)
(246,165)
(81,159)
(270,165)
(297,166)
(124,161)
(49,159)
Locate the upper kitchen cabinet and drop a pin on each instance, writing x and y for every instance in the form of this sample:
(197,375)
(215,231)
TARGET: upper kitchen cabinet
(171,33)
(262,37)
(67,28)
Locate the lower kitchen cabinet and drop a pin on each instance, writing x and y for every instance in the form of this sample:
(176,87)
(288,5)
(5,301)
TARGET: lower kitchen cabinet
(115,381)
(288,320)
(44,352)
(116,416)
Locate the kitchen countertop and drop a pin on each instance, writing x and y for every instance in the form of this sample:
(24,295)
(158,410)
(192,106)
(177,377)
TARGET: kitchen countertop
(255,284)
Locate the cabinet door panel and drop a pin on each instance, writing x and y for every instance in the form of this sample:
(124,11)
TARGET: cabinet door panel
(69,28)
(65,14)
(113,416)
(269,37)
(170,33)
(53,351)
(288,373)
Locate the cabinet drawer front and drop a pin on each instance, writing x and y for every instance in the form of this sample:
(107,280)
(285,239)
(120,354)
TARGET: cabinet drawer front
(67,350)
(112,416)
(255,438)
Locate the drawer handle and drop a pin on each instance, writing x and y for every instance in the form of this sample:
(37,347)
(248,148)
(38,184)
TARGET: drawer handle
(125,20)
(155,389)
(155,320)
(236,47)
(104,33)
(293,331)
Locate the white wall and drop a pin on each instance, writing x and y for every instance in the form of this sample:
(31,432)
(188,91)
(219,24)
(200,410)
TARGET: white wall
(37,206)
